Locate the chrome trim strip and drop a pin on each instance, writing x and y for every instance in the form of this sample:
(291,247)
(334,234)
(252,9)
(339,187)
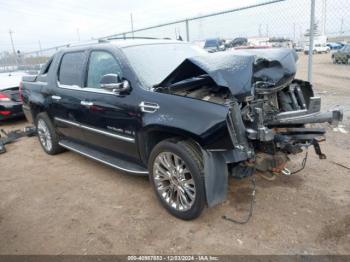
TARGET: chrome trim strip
(86,103)
(67,122)
(124,138)
(102,161)
(54,97)
(86,89)
(128,139)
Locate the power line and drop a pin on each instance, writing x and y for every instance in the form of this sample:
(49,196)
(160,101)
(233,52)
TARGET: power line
(198,17)
(13,46)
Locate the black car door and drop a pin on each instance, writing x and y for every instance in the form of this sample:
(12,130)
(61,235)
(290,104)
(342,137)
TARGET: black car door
(110,120)
(65,107)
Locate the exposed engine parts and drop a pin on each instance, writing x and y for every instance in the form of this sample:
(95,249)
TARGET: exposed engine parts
(269,125)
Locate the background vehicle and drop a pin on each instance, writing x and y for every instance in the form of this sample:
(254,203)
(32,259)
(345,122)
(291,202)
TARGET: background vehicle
(298,48)
(214,45)
(319,45)
(317,49)
(10,101)
(238,41)
(189,121)
(342,56)
(335,46)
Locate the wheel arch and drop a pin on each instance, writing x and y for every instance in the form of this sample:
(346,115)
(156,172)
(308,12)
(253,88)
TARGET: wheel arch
(149,137)
(36,109)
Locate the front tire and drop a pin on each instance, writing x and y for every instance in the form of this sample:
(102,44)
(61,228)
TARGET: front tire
(176,174)
(47,135)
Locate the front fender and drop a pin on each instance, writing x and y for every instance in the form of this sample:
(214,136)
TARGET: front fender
(203,121)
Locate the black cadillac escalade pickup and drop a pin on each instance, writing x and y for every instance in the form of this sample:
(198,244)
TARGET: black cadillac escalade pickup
(167,109)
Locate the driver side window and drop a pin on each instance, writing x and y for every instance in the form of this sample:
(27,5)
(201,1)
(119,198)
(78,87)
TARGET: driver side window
(100,64)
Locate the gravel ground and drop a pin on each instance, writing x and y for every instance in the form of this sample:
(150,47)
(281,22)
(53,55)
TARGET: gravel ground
(67,204)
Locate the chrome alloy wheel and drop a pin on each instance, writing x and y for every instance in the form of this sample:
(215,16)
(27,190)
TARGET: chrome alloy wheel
(44,135)
(174,181)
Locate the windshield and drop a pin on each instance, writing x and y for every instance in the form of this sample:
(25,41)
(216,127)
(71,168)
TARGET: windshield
(153,63)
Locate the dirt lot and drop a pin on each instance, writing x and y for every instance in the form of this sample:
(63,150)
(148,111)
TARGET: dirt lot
(67,204)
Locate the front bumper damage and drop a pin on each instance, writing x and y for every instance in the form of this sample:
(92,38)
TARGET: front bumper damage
(286,130)
(308,116)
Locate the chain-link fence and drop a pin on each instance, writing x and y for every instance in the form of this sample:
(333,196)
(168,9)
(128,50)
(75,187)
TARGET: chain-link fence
(266,24)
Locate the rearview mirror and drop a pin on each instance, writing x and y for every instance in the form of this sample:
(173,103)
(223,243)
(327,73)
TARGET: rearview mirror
(112,82)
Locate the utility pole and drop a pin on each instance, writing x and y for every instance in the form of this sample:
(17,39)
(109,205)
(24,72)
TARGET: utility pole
(294,32)
(311,41)
(41,50)
(13,46)
(341,26)
(78,34)
(200,25)
(132,25)
(259,30)
(324,17)
(187,30)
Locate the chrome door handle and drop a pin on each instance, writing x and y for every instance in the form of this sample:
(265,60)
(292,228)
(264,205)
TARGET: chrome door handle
(86,103)
(56,97)
(148,107)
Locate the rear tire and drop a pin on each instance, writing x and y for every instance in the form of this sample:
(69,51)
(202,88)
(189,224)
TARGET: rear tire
(47,135)
(176,174)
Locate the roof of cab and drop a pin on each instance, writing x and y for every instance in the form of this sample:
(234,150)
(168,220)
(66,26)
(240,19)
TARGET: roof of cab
(121,43)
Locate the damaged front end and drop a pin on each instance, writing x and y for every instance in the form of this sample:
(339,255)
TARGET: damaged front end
(277,124)
(269,111)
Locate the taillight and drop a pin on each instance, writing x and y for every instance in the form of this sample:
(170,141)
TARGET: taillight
(20,90)
(4,98)
(5,113)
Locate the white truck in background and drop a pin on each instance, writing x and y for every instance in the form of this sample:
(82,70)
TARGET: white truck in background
(319,45)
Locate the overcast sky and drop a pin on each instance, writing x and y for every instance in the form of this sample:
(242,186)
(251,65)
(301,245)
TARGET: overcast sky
(58,21)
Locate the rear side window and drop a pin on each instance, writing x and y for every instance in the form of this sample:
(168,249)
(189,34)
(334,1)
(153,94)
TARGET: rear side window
(71,69)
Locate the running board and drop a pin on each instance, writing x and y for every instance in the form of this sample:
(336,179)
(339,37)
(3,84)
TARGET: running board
(106,159)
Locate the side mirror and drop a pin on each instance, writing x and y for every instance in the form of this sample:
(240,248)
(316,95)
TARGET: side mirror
(112,82)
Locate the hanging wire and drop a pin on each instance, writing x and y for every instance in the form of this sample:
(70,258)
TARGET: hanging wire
(246,220)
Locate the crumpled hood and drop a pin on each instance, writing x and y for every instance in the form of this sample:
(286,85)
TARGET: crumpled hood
(238,69)
(272,64)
